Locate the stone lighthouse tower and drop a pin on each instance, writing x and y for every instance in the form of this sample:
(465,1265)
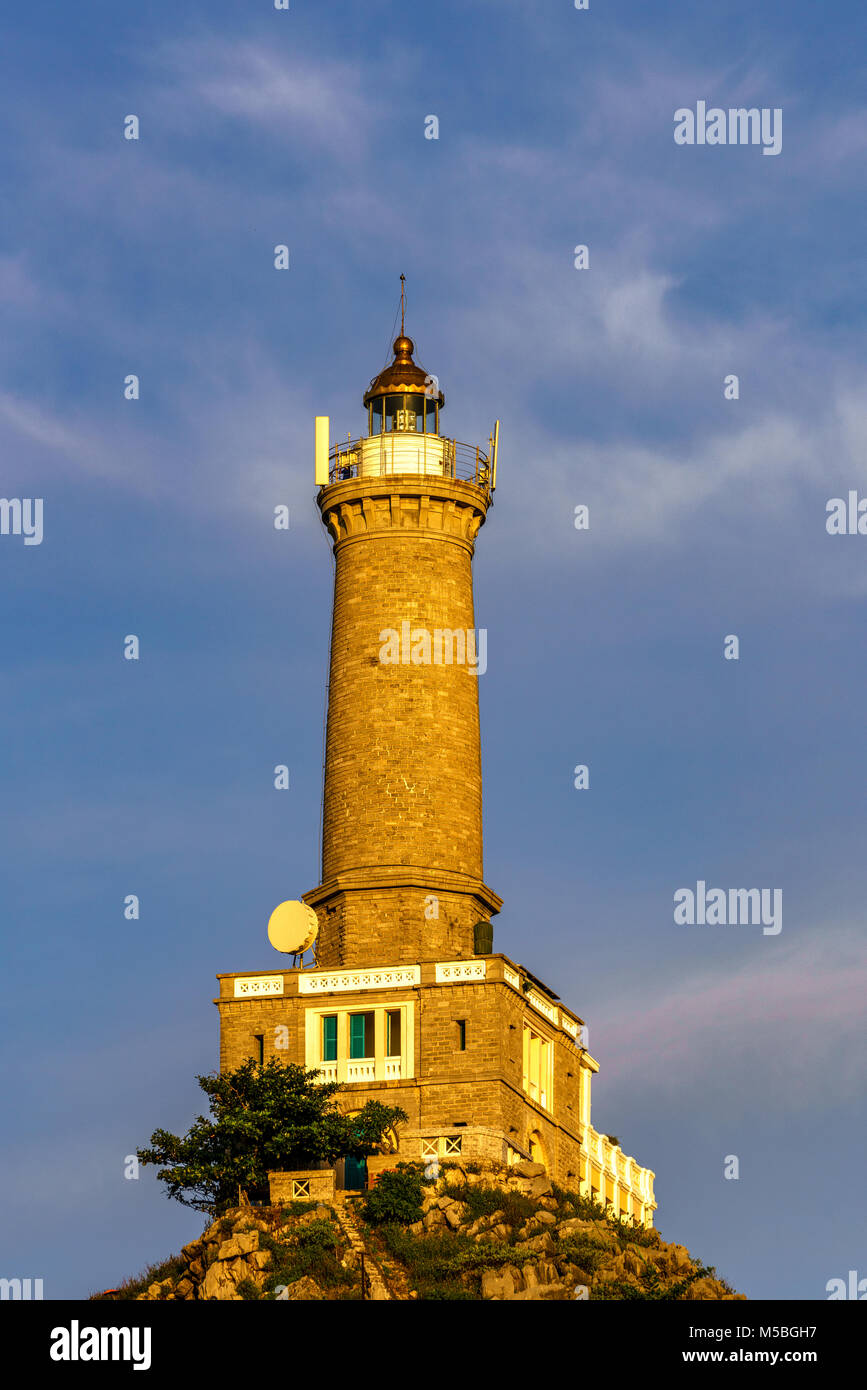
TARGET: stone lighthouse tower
(407,1001)
(402,819)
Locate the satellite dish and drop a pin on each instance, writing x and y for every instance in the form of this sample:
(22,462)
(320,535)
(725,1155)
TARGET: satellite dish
(292,928)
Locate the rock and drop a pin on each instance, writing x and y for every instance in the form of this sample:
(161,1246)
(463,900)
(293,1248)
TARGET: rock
(526,1169)
(193,1250)
(592,1229)
(545,1272)
(185,1288)
(501,1283)
(238,1245)
(304,1289)
(260,1259)
(553,1293)
(197,1270)
(543,1243)
(704,1289)
(455,1214)
(545,1218)
(631,1262)
(416,1228)
(535,1187)
(219,1282)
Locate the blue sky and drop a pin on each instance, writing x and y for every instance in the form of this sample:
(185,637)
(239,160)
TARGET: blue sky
(155,257)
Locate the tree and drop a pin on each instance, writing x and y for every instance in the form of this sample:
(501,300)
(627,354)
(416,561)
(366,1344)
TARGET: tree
(264,1117)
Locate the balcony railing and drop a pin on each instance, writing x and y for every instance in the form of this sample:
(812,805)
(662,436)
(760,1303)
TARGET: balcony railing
(405,452)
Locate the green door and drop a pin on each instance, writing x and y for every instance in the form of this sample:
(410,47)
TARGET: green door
(355,1174)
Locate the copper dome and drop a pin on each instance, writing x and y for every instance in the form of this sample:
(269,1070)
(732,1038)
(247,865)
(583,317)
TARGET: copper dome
(402,375)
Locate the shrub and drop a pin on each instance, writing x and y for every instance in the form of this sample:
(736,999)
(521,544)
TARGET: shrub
(396,1196)
(315,1252)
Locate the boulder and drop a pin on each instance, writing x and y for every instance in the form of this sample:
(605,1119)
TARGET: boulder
(238,1245)
(551,1293)
(219,1282)
(501,1283)
(545,1272)
(632,1263)
(535,1187)
(304,1289)
(594,1230)
(542,1243)
(526,1169)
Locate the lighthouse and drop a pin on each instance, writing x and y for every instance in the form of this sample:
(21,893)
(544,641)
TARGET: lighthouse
(402,874)
(406,1000)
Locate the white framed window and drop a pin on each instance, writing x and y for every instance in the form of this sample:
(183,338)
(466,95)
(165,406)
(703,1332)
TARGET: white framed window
(367,1042)
(538,1067)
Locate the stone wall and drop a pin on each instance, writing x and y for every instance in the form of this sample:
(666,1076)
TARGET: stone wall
(319,1183)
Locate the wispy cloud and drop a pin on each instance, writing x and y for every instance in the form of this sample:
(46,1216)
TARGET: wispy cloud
(781,1024)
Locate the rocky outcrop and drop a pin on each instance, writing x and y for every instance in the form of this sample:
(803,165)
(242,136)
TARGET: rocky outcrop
(516,1240)
(231,1260)
(552,1254)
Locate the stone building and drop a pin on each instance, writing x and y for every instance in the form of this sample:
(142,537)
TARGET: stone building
(406,1001)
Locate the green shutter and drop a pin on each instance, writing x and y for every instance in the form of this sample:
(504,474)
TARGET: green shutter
(329,1038)
(356,1035)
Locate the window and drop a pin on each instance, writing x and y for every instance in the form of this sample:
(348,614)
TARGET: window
(538,1067)
(462,1035)
(361,1044)
(259,1040)
(361,1036)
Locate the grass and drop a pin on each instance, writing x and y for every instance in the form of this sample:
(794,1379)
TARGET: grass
(315,1250)
(482,1200)
(153,1274)
(446,1264)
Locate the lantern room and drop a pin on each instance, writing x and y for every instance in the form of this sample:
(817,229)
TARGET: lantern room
(403,398)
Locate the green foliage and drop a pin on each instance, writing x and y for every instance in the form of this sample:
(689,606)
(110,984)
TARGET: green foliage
(513,1208)
(447,1264)
(314,1250)
(396,1196)
(585,1252)
(650,1287)
(264,1116)
(296,1208)
(249,1291)
(626,1228)
(317,1235)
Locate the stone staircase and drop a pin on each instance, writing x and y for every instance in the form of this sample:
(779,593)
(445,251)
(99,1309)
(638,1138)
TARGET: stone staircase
(348,1222)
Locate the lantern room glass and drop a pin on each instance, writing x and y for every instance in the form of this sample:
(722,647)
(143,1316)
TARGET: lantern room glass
(406,412)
